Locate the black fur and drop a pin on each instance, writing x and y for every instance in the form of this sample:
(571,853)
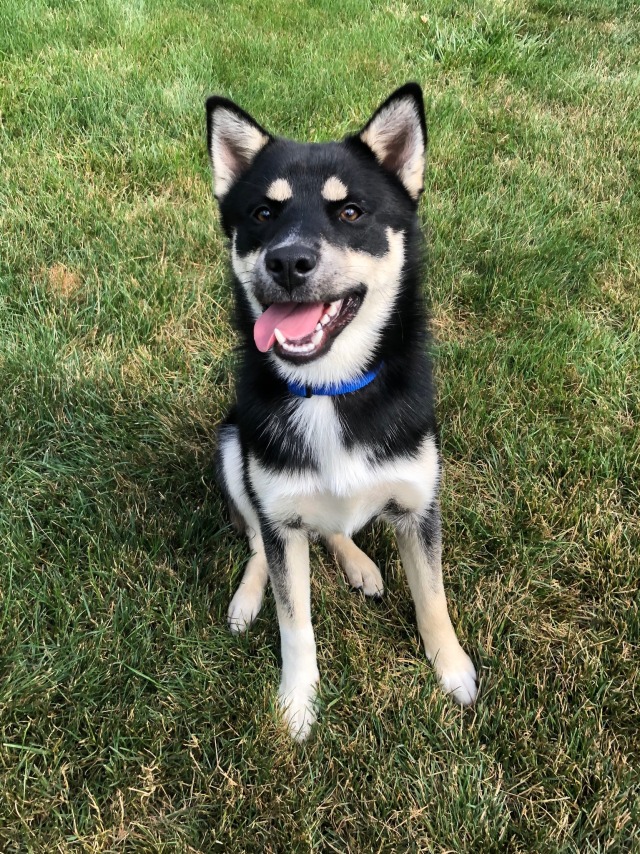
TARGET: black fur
(402,394)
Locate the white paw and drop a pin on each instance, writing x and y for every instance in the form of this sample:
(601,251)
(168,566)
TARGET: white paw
(245,606)
(298,706)
(364,575)
(457,675)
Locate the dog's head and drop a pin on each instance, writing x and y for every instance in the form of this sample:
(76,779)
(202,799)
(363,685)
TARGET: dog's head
(319,232)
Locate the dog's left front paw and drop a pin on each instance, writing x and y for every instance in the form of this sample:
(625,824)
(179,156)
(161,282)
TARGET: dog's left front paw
(457,675)
(298,707)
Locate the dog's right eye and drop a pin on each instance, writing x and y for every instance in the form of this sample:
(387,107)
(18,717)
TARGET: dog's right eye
(262,214)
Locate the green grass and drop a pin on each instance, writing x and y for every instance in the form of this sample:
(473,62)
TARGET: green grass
(130,720)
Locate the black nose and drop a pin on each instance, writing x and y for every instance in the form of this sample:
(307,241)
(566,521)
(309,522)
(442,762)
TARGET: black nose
(291,265)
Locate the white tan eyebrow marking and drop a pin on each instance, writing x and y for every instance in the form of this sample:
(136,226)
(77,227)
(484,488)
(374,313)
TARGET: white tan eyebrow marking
(279,190)
(334,190)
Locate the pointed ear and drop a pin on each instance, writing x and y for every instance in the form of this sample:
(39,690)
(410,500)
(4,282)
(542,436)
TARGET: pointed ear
(234,139)
(397,135)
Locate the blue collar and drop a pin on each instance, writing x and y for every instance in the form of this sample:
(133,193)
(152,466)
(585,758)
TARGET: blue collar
(332,390)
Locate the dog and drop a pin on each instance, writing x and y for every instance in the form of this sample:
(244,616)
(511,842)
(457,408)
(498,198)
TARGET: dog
(334,423)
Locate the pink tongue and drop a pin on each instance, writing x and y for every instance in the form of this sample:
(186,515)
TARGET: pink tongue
(294,319)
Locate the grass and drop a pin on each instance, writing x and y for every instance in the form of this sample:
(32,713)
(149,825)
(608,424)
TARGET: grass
(130,720)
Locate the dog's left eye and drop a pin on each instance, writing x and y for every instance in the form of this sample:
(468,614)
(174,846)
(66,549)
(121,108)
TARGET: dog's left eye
(350,213)
(262,213)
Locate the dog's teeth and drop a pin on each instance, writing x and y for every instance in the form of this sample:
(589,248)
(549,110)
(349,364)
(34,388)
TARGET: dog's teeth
(297,348)
(334,308)
(316,338)
(318,327)
(324,319)
(279,337)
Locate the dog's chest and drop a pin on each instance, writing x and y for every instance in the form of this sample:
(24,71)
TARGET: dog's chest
(348,485)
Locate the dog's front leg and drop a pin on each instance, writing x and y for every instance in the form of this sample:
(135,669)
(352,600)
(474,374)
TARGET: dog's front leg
(288,559)
(420,543)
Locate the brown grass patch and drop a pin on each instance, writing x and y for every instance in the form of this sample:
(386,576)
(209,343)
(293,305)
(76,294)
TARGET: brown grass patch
(63,282)
(449,323)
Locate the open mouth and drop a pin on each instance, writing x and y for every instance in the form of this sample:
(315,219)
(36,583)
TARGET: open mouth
(302,331)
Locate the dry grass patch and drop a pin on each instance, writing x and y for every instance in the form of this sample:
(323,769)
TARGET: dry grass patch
(62,282)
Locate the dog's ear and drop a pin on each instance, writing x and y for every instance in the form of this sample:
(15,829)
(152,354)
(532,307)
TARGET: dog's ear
(234,139)
(397,135)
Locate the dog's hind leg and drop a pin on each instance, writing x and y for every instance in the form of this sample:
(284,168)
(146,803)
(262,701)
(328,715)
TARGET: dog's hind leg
(247,601)
(419,540)
(360,570)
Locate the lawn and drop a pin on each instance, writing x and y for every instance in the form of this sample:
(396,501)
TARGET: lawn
(130,719)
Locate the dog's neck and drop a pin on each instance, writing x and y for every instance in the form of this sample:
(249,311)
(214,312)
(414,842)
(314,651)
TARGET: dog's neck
(335,389)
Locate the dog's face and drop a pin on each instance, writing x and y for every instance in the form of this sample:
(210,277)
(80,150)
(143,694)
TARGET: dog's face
(319,231)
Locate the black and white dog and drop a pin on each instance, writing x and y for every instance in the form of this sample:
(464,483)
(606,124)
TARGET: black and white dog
(334,423)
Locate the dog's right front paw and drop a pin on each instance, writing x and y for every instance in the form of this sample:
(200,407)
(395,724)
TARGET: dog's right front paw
(298,707)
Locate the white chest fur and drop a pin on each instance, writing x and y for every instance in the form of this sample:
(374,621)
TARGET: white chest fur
(349,486)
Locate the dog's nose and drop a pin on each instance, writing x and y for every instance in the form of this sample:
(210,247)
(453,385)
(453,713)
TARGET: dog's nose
(291,265)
